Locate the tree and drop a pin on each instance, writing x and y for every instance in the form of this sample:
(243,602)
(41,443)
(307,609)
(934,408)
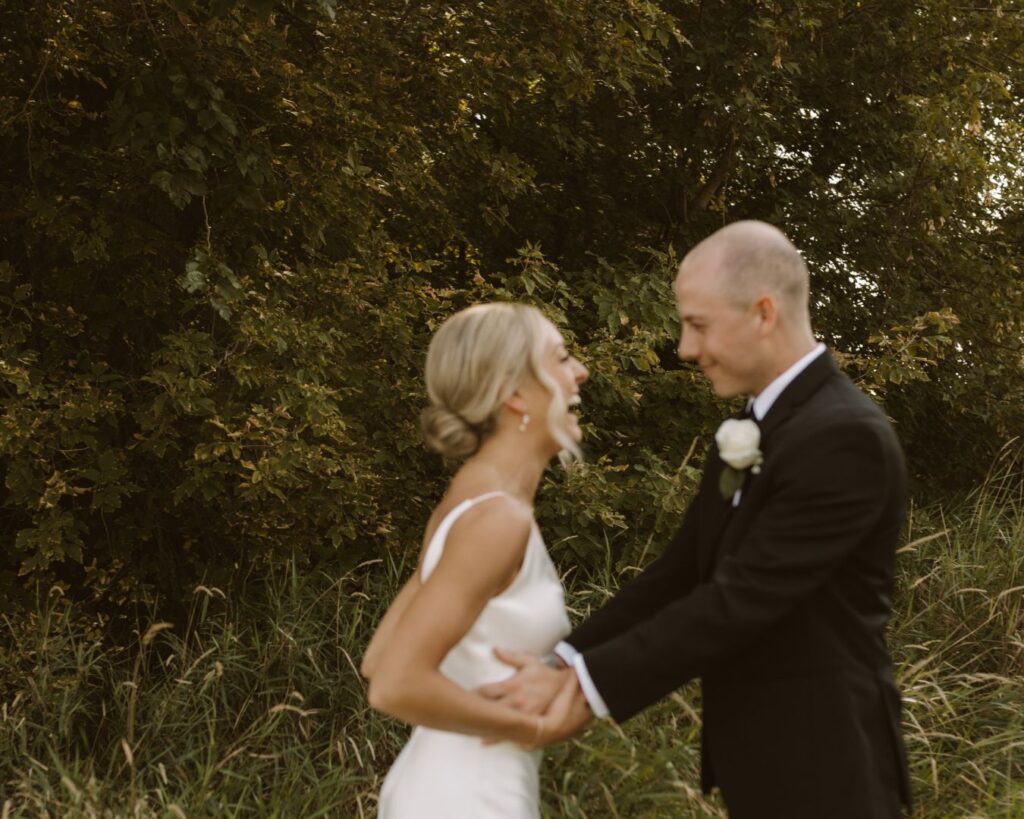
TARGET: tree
(229,228)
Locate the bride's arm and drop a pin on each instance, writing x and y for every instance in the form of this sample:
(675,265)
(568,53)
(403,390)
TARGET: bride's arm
(387,624)
(482,554)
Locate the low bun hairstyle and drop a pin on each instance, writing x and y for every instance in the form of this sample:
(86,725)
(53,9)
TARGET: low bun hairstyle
(449,433)
(475,361)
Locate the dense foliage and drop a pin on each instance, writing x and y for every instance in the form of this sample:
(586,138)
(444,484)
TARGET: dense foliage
(227,230)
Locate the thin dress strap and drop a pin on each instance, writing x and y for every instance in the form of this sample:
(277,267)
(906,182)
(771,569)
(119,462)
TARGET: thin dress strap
(436,546)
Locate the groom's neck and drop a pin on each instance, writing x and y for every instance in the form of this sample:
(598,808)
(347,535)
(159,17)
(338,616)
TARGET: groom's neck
(786,353)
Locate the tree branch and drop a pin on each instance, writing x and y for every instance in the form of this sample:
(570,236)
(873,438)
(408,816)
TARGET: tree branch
(724,166)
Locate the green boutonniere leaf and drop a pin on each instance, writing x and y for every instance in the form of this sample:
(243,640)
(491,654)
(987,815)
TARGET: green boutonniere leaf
(729,481)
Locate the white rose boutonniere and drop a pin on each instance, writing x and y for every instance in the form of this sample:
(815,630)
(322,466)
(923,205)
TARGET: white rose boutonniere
(738,445)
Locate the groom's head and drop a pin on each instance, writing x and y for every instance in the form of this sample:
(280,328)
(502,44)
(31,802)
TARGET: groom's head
(742,296)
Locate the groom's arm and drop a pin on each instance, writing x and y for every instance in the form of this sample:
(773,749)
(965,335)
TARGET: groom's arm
(537,681)
(672,575)
(822,508)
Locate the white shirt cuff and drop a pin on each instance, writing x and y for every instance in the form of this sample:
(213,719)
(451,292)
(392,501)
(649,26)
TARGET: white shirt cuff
(565,652)
(570,656)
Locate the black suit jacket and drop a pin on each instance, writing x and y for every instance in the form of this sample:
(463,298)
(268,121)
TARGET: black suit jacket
(780,606)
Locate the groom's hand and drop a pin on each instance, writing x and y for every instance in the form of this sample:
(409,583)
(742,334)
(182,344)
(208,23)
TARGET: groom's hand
(532,688)
(568,714)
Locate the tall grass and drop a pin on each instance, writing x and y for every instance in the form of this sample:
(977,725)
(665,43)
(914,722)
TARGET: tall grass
(260,712)
(959,645)
(254,706)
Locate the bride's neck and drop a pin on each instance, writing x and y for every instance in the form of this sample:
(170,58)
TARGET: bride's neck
(515,470)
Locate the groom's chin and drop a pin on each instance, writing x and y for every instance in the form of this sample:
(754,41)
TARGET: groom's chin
(724,390)
(720,386)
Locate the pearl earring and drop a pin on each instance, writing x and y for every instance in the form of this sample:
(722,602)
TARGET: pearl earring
(524,423)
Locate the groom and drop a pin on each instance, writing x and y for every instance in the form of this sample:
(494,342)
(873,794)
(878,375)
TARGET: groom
(777,589)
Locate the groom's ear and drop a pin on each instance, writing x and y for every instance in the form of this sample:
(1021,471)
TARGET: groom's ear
(768,313)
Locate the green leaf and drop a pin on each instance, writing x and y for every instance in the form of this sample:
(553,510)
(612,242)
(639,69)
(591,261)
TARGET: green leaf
(729,481)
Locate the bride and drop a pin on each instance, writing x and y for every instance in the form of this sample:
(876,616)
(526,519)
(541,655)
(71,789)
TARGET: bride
(501,385)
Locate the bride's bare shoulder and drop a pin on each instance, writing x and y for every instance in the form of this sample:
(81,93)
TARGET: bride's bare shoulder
(494,510)
(484,546)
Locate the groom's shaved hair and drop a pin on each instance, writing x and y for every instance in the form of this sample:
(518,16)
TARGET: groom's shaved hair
(755,259)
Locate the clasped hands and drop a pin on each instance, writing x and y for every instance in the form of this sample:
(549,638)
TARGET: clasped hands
(552,695)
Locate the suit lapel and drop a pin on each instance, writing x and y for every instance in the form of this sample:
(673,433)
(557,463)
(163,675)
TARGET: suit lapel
(715,514)
(796,393)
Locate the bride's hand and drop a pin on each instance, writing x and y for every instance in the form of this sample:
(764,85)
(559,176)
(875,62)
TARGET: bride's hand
(532,688)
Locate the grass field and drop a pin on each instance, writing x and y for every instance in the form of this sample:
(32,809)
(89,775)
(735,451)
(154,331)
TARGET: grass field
(260,711)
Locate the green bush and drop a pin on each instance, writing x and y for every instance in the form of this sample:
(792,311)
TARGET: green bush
(228,229)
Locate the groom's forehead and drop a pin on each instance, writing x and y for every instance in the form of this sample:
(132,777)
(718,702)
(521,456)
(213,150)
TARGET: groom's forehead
(699,275)
(696,294)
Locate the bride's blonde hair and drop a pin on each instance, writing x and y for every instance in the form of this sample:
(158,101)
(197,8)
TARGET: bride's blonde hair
(475,361)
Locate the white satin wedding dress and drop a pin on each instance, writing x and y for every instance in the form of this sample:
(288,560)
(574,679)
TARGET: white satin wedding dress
(442,775)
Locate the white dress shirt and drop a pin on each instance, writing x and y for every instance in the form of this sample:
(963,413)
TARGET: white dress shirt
(764,400)
(762,403)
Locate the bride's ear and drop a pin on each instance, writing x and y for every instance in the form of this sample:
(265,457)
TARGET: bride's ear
(516,403)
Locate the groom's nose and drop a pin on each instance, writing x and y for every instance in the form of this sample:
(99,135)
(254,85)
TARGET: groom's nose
(687,349)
